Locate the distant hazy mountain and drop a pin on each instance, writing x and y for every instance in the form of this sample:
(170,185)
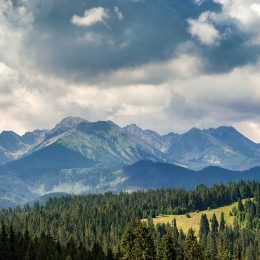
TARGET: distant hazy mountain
(151,175)
(224,147)
(106,144)
(196,149)
(152,138)
(13,146)
(78,156)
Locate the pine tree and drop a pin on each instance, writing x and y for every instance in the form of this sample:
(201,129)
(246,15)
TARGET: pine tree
(203,231)
(223,247)
(12,244)
(127,243)
(71,249)
(222,223)
(3,243)
(240,205)
(237,254)
(97,252)
(214,224)
(167,248)
(211,248)
(143,243)
(109,255)
(192,250)
(250,252)
(175,231)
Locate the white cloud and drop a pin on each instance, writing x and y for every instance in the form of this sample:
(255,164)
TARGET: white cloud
(118,13)
(181,97)
(249,129)
(256,8)
(245,14)
(95,39)
(71,188)
(199,2)
(203,29)
(172,95)
(91,17)
(15,24)
(7,74)
(182,66)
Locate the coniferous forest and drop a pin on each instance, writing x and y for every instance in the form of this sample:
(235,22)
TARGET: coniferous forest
(111,226)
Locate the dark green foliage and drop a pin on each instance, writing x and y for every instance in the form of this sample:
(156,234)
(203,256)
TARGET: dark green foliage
(137,243)
(214,224)
(192,250)
(240,205)
(128,243)
(222,223)
(167,249)
(3,243)
(204,230)
(108,226)
(24,247)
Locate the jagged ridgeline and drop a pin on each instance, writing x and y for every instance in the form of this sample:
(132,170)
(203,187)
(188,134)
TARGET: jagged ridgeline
(79,157)
(112,226)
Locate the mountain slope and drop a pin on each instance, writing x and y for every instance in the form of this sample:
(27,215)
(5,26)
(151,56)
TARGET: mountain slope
(103,142)
(196,149)
(231,137)
(13,146)
(147,174)
(151,138)
(78,156)
(108,144)
(223,147)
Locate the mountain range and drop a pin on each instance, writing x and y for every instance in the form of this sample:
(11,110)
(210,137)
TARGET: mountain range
(78,156)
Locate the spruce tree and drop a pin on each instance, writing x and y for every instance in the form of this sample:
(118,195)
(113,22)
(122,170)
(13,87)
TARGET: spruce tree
(143,244)
(12,244)
(222,223)
(214,224)
(211,247)
(240,205)
(204,230)
(127,243)
(192,250)
(3,243)
(175,231)
(167,248)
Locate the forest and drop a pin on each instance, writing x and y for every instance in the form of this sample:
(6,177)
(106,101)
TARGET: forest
(111,226)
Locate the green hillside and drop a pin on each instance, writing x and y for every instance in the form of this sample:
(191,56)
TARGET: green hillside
(193,221)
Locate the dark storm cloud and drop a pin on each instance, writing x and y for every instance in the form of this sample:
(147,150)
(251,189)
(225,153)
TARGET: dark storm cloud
(168,65)
(232,51)
(150,31)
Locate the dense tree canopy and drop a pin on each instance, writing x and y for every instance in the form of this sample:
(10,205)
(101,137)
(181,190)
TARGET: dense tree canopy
(108,226)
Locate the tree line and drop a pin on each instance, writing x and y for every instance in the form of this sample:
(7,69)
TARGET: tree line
(98,223)
(214,241)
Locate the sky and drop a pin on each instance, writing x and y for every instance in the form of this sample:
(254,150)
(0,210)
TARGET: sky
(167,65)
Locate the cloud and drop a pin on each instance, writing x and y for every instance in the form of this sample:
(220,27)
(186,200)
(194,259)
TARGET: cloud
(244,14)
(71,188)
(118,13)
(150,66)
(256,8)
(15,26)
(135,33)
(7,74)
(203,29)
(90,17)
